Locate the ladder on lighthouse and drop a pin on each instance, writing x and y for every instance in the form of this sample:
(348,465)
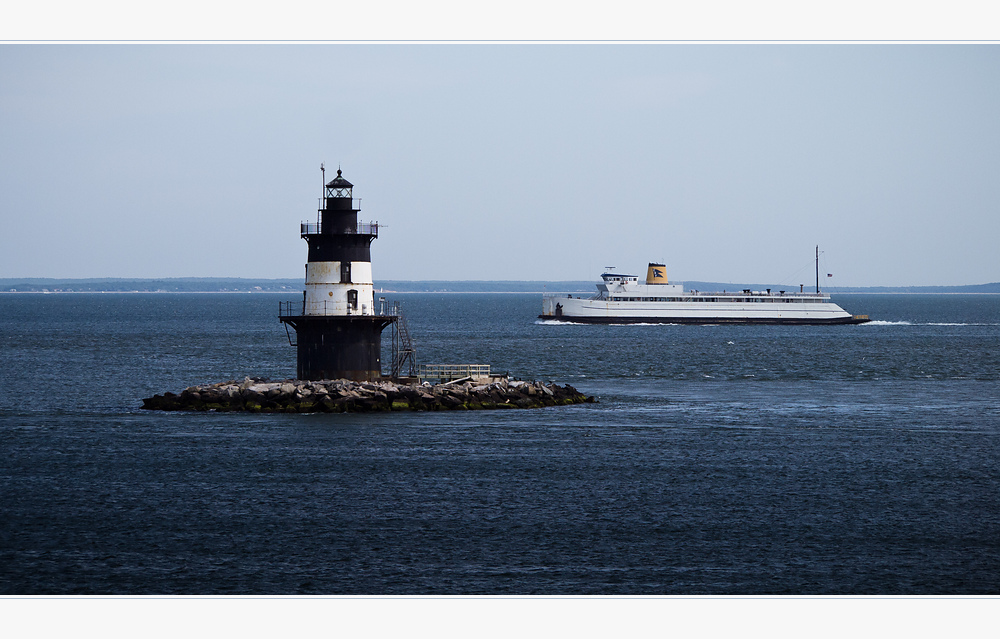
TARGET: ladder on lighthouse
(402,346)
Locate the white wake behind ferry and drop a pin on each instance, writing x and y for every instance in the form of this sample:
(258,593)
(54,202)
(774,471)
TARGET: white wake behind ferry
(621,299)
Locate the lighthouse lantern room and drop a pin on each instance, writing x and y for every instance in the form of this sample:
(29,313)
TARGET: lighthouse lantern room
(338,328)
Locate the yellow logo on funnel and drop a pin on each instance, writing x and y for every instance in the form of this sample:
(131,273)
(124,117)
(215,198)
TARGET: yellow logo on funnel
(657,274)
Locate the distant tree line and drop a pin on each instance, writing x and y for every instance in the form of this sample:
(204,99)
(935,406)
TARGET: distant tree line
(245,285)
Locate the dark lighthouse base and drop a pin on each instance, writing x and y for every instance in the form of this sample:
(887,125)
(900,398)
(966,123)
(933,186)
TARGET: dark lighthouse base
(339,347)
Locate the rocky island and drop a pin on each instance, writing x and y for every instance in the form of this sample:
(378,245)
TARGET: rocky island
(258,395)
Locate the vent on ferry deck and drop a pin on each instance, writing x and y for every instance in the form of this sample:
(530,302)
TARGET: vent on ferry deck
(657,274)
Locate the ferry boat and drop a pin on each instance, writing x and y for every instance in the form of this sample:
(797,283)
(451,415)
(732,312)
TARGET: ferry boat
(621,299)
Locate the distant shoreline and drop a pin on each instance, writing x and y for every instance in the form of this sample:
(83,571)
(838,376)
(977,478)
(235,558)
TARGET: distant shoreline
(832,293)
(289,287)
(287,293)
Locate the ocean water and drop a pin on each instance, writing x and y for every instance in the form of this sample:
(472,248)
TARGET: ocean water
(719,459)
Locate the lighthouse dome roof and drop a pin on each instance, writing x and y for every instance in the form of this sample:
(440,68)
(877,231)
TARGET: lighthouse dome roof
(339,182)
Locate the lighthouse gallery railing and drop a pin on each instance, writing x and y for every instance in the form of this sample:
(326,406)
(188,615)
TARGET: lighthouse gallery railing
(363,228)
(298,308)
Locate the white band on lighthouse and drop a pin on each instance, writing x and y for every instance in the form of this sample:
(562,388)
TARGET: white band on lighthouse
(326,292)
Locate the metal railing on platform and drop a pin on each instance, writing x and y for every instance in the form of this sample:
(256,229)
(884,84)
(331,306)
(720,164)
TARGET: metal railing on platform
(298,308)
(450,372)
(363,228)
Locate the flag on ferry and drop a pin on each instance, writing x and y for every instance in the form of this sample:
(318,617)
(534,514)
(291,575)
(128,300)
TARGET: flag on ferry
(829,274)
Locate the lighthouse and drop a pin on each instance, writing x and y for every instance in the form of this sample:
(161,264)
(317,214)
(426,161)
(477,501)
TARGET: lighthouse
(338,329)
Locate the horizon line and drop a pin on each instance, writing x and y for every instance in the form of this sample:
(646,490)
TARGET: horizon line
(466,281)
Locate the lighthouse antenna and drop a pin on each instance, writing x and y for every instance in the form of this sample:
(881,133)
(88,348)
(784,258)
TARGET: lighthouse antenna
(322,194)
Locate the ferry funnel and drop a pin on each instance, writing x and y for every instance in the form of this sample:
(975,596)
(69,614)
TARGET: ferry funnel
(657,274)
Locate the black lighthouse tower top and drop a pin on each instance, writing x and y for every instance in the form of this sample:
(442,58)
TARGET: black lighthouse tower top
(338,214)
(337,234)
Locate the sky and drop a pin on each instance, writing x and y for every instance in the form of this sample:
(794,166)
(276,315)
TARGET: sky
(726,162)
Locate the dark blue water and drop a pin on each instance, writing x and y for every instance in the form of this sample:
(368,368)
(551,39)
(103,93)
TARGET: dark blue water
(720,459)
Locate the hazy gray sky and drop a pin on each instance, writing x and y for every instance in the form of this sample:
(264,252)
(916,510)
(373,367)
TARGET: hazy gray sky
(524,161)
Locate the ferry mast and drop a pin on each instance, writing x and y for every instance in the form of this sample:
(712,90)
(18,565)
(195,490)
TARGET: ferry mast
(817,269)
(338,328)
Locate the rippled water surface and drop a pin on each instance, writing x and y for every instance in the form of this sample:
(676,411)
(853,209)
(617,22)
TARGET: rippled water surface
(720,459)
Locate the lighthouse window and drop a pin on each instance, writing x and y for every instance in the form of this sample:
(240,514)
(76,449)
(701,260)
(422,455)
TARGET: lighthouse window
(352,299)
(345,274)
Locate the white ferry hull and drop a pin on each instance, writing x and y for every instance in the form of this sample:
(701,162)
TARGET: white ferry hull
(706,317)
(761,309)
